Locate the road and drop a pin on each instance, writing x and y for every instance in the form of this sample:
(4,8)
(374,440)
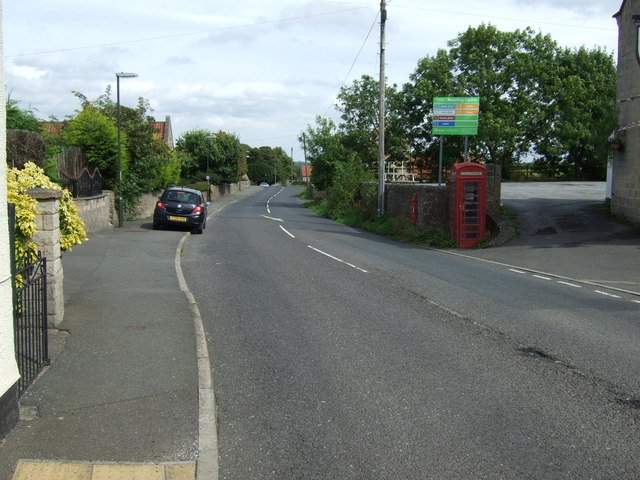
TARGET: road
(338,354)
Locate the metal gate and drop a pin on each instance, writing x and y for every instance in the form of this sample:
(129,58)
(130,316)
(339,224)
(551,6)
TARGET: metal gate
(29,311)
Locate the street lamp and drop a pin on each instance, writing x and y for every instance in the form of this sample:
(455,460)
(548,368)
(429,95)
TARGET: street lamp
(120,205)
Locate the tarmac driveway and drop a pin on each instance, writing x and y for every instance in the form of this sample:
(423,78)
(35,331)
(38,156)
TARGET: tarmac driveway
(566,231)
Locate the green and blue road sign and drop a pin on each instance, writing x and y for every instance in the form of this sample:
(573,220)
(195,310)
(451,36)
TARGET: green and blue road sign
(455,115)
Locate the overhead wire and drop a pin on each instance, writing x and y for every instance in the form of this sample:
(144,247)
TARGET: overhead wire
(375,20)
(185,34)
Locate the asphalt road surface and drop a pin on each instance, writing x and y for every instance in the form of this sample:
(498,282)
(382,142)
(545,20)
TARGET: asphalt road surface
(338,354)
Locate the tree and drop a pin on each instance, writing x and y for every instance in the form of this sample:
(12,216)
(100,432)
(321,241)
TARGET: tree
(97,135)
(582,114)
(324,150)
(20,119)
(267,164)
(534,98)
(434,77)
(219,155)
(359,105)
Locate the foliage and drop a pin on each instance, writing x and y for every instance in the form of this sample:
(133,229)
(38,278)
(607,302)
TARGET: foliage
(25,146)
(359,107)
(324,150)
(26,212)
(147,162)
(71,225)
(534,98)
(393,227)
(351,188)
(581,111)
(511,217)
(218,155)
(20,119)
(271,165)
(97,135)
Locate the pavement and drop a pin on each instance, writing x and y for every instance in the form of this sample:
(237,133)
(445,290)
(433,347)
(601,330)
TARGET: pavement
(120,399)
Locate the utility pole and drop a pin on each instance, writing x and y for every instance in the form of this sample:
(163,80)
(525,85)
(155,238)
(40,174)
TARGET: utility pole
(381,118)
(304,149)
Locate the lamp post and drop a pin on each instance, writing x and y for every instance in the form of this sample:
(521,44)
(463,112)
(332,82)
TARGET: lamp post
(120,205)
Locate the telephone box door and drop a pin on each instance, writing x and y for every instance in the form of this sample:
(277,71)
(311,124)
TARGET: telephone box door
(468,205)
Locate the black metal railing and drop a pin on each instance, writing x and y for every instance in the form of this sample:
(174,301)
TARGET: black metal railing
(29,311)
(86,185)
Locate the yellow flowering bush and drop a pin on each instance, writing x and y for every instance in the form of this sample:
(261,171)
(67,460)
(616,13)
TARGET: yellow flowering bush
(31,176)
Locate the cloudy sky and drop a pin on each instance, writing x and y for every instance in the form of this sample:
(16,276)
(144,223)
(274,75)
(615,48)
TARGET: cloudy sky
(260,69)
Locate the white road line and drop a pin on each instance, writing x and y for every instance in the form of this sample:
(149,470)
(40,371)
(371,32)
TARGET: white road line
(336,259)
(272,197)
(516,271)
(272,218)
(285,231)
(635,301)
(607,294)
(569,284)
(542,277)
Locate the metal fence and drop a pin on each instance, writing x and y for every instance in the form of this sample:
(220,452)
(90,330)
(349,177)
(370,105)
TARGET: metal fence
(29,311)
(76,175)
(86,185)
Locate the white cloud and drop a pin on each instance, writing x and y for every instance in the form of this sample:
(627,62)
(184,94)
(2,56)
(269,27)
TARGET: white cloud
(581,7)
(259,69)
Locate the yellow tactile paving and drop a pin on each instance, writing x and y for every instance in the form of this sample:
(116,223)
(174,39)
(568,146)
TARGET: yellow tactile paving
(52,471)
(44,470)
(127,472)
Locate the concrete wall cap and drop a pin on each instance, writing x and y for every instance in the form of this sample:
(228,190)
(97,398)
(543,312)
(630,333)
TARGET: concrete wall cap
(44,193)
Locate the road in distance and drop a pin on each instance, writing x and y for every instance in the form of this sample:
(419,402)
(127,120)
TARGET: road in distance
(337,354)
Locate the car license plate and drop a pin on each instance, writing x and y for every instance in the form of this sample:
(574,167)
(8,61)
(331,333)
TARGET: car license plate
(177,219)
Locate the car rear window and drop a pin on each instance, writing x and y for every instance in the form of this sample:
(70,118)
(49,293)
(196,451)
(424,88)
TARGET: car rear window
(183,197)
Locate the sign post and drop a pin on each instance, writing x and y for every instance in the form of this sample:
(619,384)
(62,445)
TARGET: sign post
(455,116)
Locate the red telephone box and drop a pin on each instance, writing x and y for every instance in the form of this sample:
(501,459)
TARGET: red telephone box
(467,203)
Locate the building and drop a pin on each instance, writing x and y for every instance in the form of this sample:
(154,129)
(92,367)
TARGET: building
(305,172)
(9,375)
(164,132)
(625,198)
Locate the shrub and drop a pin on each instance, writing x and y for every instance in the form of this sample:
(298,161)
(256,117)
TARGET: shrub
(71,225)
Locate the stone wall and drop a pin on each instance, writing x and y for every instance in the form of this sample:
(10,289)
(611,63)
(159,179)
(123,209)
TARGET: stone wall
(494,187)
(47,238)
(432,200)
(148,201)
(431,203)
(625,198)
(97,212)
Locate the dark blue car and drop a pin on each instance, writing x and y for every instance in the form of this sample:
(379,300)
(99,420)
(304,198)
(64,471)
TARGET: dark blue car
(181,207)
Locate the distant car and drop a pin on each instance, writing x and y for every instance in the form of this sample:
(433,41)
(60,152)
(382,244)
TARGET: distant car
(181,207)
(264,184)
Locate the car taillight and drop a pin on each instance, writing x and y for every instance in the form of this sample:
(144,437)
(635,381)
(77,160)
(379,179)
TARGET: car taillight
(159,204)
(198,209)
